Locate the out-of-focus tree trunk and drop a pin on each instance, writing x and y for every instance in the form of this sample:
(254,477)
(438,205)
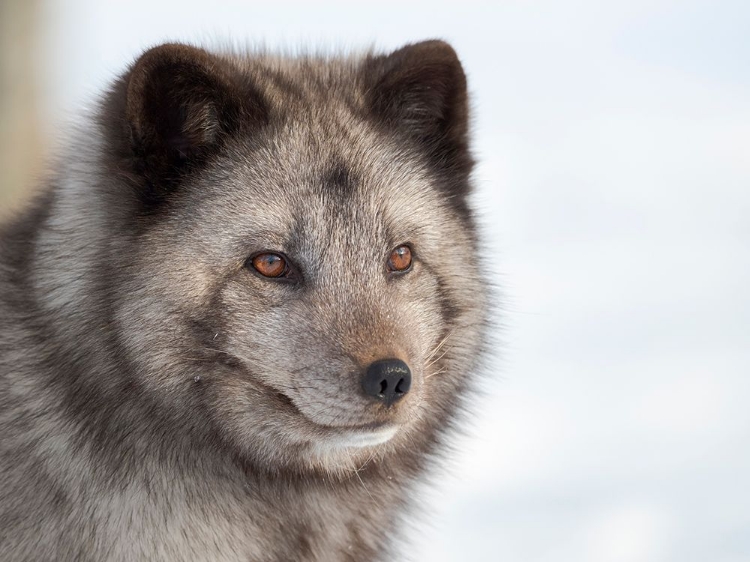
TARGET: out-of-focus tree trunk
(20,137)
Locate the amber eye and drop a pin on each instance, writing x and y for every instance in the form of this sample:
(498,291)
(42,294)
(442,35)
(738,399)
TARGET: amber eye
(400,259)
(270,265)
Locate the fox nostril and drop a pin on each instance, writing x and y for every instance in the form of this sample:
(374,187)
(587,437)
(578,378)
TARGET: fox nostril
(387,380)
(399,386)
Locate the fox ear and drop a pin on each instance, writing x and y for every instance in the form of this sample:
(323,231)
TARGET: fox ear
(181,104)
(420,89)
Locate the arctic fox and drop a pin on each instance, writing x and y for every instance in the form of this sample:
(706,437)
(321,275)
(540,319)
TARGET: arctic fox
(243,314)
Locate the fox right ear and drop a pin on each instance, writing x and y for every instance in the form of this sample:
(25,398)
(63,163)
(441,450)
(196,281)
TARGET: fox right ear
(181,104)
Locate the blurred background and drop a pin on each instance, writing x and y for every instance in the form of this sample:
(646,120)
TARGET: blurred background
(613,142)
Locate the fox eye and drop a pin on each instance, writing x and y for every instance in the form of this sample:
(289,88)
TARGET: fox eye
(400,259)
(273,266)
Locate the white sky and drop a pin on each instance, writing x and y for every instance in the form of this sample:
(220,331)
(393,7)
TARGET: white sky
(614,141)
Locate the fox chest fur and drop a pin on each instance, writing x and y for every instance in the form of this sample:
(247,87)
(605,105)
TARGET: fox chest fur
(245,312)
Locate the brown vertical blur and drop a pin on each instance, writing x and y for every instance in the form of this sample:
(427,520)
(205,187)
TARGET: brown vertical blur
(20,136)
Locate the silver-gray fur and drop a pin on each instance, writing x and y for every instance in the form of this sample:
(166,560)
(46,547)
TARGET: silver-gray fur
(159,399)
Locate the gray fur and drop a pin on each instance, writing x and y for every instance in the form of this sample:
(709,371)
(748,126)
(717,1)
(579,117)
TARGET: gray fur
(158,400)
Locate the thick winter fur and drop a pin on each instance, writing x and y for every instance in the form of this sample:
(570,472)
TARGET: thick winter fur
(161,400)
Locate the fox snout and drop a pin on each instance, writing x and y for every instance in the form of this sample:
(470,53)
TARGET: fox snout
(387,380)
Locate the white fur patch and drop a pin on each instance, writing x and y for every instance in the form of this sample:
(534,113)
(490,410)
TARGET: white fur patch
(358,439)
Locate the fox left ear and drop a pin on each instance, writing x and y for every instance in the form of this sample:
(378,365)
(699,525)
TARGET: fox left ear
(421,90)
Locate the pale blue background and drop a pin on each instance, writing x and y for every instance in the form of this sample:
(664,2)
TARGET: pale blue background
(614,141)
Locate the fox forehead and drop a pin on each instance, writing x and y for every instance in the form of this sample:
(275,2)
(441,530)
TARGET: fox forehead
(283,195)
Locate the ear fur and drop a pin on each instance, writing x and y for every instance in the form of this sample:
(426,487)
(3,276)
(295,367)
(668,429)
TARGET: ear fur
(420,90)
(181,104)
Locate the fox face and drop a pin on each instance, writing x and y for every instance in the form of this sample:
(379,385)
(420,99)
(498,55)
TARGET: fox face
(302,274)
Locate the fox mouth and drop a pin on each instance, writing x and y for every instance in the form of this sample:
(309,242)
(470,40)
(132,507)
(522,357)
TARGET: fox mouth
(353,436)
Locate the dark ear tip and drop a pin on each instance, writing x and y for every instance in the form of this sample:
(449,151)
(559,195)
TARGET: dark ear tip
(435,49)
(169,53)
(433,61)
(153,61)
(432,51)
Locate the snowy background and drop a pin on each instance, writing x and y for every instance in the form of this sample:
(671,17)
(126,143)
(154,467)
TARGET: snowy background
(614,142)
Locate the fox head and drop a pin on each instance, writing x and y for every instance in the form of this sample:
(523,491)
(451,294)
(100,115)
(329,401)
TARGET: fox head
(296,259)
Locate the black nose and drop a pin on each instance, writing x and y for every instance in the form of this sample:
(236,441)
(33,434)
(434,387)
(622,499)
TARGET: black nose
(387,380)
